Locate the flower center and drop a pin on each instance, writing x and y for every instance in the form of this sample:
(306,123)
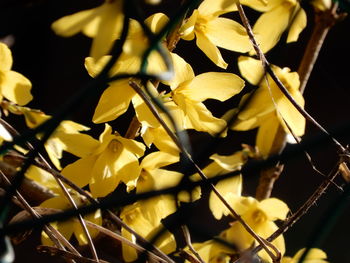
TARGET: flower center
(114,145)
(259,216)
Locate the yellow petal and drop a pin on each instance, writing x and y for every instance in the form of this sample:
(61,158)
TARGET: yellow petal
(266,134)
(274,208)
(79,233)
(156,22)
(210,50)
(228,34)
(104,177)
(108,29)
(187,29)
(271,25)
(262,5)
(136,148)
(229,162)
(79,172)
(299,23)
(15,87)
(70,25)
(265,231)
(231,190)
(314,255)
(80,145)
(251,69)
(42,177)
(114,101)
(198,117)
(291,115)
(216,7)
(158,159)
(143,113)
(5,57)
(160,138)
(183,71)
(213,85)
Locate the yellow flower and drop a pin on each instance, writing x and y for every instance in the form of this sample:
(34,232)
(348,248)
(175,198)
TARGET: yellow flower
(212,31)
(66,137)
(71,226)
(103,24)
(145,218)
(13,85)
(212,251)
(279,15)
(114,159)
(111,104)
(315,255)
(189,91)
(261,111)
(259,216)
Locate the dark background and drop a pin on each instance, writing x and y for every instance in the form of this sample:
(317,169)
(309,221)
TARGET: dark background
(55,67)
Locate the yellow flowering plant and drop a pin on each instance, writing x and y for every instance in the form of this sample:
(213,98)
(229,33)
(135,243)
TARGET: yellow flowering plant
(150,185)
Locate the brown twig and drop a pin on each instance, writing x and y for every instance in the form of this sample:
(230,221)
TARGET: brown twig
(56,237)
(188,241)
(269,176)
(155,113)
(14,132)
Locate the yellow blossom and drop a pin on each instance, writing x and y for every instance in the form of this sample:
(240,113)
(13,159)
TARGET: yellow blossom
(112,160)
(111,104)
(314,255)
(13,85)
(189,92)
(145,218)
(66,137)
(103,24)
(212,31)
(278,16)
(268,108)
(71,226)
(260,216)
(212,251)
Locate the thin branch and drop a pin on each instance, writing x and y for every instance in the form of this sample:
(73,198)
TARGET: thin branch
(267,67)
(155,113)
(188,241)
(14,132)
(56,237)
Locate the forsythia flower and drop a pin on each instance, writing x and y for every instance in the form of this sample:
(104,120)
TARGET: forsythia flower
(315,255)
(111,104)
(189,91)
(213,252)
(13,85)
(261,111)
(72,226)
(279,16)
(212,31)
(66,137)
(259,216)
(103,24)
(112,160)
(145,216)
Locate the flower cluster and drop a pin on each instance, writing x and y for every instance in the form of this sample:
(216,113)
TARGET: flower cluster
(150,158)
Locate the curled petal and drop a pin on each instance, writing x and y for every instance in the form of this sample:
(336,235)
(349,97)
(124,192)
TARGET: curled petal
(15,87)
